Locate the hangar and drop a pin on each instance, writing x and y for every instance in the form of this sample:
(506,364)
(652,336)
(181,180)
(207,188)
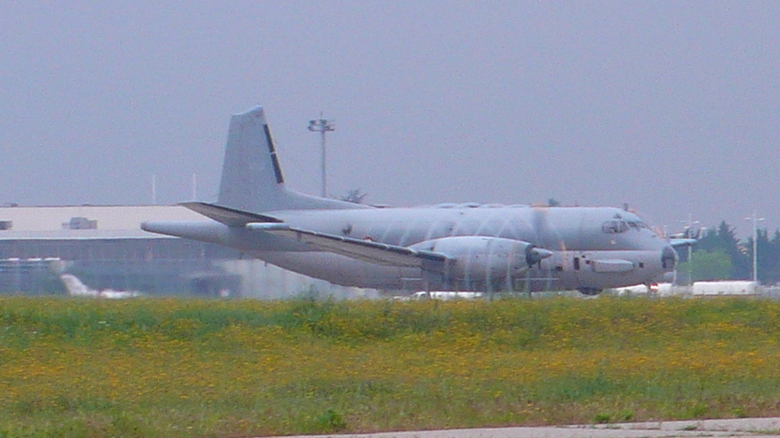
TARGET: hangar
(105,247)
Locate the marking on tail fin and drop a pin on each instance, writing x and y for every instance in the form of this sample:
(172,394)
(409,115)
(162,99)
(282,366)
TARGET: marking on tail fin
(274,158)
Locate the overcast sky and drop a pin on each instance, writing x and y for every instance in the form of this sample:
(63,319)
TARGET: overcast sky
(672,107)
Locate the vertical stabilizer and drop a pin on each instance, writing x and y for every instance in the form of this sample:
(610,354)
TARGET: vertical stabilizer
(76,288)
(252,178)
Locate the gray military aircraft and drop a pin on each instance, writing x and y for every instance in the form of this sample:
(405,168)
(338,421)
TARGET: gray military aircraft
(447,247)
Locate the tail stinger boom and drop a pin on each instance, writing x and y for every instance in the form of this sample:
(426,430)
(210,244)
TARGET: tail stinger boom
(252,178)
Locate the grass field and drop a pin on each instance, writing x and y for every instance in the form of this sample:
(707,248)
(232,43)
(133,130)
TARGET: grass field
(183,368)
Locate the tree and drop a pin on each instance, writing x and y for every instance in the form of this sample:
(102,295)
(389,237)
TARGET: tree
(725,240)
(705,266)
(768,256)
(770,261)
(355,196)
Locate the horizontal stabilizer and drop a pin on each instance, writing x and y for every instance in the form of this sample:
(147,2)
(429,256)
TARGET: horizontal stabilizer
(228,216)
(682,242)
(365,250)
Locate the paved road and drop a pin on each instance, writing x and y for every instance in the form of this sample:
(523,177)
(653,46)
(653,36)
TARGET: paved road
(745,427)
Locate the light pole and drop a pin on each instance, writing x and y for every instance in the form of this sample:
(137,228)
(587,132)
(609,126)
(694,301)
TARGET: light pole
(322,126)
(689,235)
(755,220)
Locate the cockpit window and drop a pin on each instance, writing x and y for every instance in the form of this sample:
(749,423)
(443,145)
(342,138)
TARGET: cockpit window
(637,225)
(615,227)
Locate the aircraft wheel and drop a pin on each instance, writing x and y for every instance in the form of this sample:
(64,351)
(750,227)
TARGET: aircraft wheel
(590,291)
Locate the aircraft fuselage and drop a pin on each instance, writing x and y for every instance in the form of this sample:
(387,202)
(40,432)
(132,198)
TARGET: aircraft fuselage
(593,247)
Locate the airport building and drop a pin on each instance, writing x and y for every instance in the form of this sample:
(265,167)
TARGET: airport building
(105,248)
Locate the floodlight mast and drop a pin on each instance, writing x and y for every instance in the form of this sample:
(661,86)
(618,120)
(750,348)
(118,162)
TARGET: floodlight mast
(755,220)
(688,235)
(322,126)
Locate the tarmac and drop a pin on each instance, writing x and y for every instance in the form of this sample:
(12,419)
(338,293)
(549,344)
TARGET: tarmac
(743,427)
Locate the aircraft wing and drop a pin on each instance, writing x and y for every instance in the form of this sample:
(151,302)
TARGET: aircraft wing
(228,216)
(365,250)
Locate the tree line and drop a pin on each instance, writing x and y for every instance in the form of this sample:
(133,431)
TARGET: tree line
(719,255)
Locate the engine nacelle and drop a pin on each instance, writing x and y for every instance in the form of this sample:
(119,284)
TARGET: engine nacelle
(479,258)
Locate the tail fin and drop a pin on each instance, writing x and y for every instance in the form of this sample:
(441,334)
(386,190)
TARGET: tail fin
(75,287)
(252,179)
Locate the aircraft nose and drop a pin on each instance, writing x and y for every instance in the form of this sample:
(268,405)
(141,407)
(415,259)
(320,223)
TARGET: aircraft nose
(535,255)
(668,257)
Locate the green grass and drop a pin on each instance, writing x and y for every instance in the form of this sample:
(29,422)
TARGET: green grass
(183,368)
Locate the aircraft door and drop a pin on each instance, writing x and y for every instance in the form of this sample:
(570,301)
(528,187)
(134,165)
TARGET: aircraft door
(576,261)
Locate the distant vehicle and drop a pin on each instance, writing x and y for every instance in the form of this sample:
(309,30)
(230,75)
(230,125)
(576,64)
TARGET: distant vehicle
(446,296)
(699,288)
(76,288)
(449,247)
(732,288)
(660,289)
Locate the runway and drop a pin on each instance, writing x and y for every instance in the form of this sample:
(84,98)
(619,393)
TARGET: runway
(744,427)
